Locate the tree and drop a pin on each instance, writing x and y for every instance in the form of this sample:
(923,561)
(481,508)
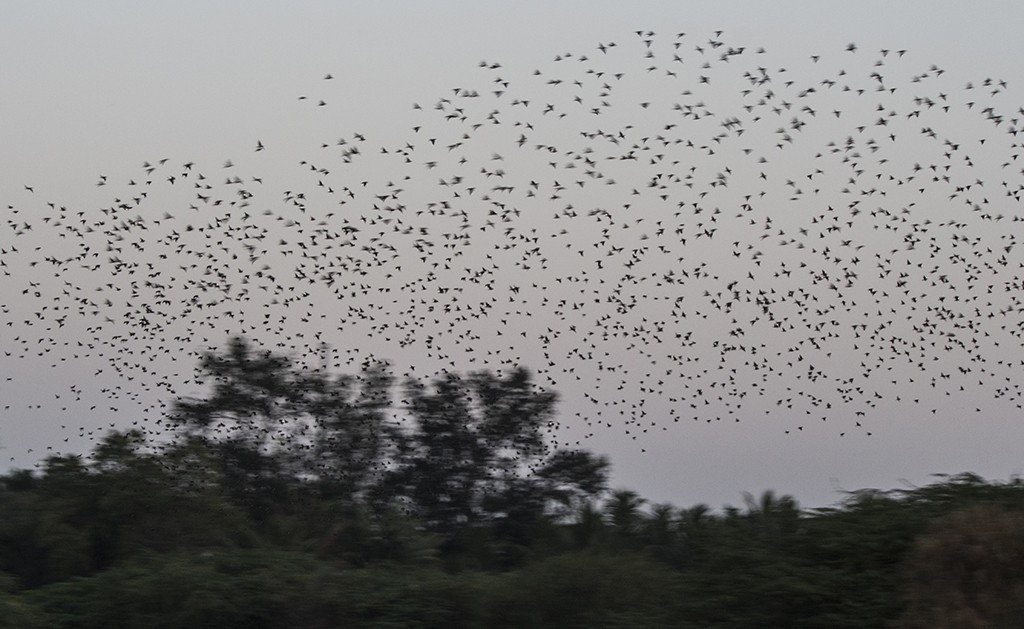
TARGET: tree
(660,526)
(967,571)
(253,405)
(469,452)
(570,478)
(273,426)
(624,515)
(354,439)
(476,452)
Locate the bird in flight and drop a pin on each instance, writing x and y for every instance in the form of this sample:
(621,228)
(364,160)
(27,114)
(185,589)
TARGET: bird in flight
(675,232)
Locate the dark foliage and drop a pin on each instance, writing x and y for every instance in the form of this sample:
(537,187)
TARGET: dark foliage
(289,498)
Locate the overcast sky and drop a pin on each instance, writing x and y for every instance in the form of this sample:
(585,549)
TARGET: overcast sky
(94,91)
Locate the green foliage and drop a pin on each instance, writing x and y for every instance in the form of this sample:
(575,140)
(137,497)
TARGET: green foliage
(588,590)
(273,435)
(259,589)
(15,611)
(289,498)
(223,588)
(123,540)
(968,571)
(78,518)
(477,453)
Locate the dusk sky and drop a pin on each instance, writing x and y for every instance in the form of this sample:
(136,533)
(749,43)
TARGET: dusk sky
(752,245)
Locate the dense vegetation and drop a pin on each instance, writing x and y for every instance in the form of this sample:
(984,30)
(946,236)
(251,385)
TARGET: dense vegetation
(290,498)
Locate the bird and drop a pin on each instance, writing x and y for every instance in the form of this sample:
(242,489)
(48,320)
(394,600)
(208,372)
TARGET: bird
(670,235)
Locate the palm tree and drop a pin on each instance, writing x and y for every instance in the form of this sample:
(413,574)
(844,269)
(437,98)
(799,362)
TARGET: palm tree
(660,524)
(771,509)
(589,524)
(623,513)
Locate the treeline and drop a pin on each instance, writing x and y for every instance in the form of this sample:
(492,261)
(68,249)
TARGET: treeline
(288,497)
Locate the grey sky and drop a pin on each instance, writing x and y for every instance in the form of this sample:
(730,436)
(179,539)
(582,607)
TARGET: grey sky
(96,89)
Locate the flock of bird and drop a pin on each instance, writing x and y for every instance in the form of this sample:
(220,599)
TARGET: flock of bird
(668,229)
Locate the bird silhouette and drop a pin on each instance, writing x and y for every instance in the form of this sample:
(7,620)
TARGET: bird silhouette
(670,231)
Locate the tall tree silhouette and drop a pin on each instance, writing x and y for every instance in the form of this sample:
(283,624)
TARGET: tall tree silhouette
(477,452)
(461,450)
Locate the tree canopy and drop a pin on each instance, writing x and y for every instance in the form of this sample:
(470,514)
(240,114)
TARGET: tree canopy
(290,497)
